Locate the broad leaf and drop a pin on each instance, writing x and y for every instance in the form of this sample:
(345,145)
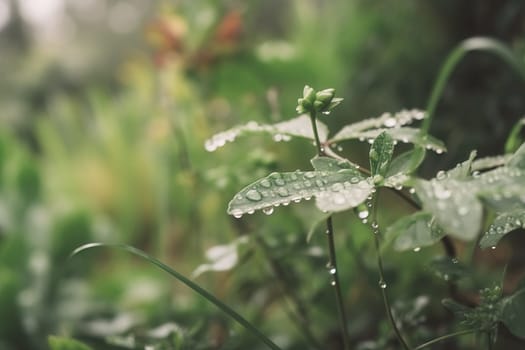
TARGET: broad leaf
(381,154)
(513,313)
(503,224)
(297,127)
(503,188)
(386,120)
(334,190)
(454,205)
(414,231)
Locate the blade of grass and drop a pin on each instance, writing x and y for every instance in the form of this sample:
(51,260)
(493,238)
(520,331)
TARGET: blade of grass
(201,291)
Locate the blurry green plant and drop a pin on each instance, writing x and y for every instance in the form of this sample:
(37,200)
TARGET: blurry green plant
(480,200)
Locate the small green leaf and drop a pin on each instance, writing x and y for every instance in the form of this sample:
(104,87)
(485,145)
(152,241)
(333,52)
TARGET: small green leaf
(381,154)
(513,313)
(406,162)
(334,190)
(503,224)
(387,120)
(414,231)
(296,127)
(61,343)
(454,205)
(502,188)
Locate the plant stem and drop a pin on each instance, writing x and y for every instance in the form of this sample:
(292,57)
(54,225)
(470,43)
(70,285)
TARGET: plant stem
(382,281)
(444,337)
(332,262)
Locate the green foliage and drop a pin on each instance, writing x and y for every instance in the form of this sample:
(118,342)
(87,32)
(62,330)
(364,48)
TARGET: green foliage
(61,343)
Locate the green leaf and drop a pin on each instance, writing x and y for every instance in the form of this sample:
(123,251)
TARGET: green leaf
(321,163)
(405,135)
(502,188)
(503,224)
(513,313)
(297,127)
(414,231)
(61,343)
(449,269)
(381,154)
(454,205)
(406,162)
(518,158)
(337,190)
(514,139)
(386,120)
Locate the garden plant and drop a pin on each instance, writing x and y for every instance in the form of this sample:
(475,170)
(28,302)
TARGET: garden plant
(474,204)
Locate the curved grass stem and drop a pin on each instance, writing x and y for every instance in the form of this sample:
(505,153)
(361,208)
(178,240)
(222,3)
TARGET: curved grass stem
(201,291)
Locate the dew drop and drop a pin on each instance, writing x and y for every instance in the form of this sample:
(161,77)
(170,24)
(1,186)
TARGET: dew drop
(254,195)
(382,284)
(309,175)
(441,175)
(237,214)
(333,283)
(417,249)
(390,122)
(283,192)
(363,214)
(250,212)
(412,190)
(266,183)
(332,271)
(268,210)
(493,247)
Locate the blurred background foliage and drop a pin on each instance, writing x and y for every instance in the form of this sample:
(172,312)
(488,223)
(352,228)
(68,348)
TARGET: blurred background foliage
(105,107)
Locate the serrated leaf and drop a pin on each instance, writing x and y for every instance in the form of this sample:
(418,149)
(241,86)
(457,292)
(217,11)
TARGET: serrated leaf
(454,205)
(62,343)
(518,158)
(414,231)
(513,313)
(503,224)
(334,191)
(448,269)
(381,154)
(386,120)
(297,127)
(406,162)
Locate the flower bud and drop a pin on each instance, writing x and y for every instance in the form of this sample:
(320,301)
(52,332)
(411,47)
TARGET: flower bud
(309,94)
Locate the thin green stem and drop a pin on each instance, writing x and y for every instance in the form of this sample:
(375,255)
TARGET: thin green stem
(320,150)
(332,262)
(382,281)
(444,337)
(204,293)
